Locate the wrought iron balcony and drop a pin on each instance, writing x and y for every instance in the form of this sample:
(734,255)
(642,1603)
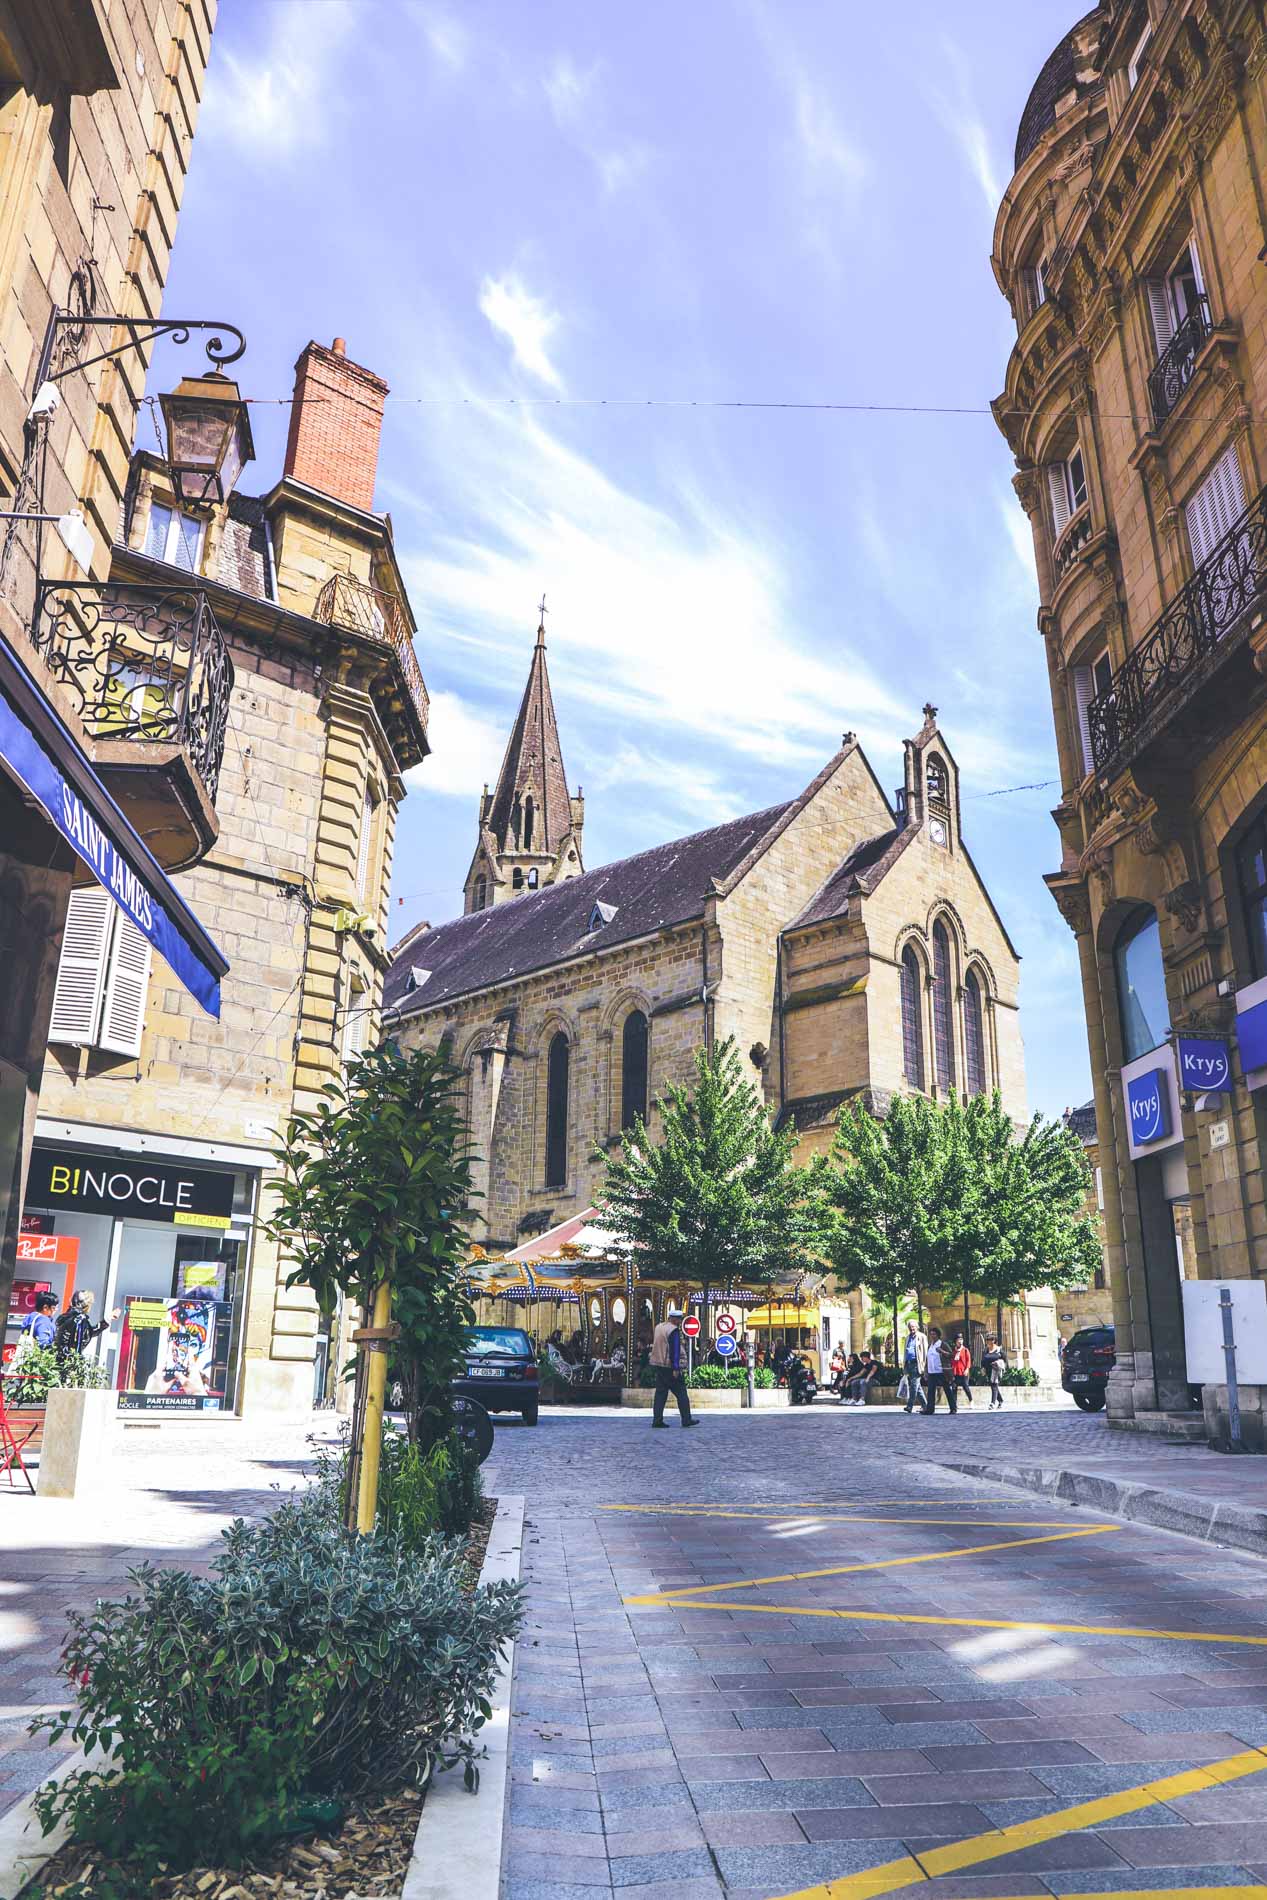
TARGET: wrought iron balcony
(141,663)
(1174,367)
(1202,626)
(345,601)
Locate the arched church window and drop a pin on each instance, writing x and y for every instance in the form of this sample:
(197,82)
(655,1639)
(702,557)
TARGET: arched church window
(937,783)
(529,816)
(481,892)
(912,1019)
(943,1019)
(974,1036)
(516,879)
(532,880)
(633,1069)
(558,1065)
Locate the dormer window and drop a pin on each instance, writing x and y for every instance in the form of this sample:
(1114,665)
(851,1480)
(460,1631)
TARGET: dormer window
(601,915)
(416,978)
(1136,61)
(175,538)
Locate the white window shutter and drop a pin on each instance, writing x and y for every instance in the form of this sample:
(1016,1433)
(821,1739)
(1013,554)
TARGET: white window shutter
(82,969)
(1058,486)
(1216,507)
(1160,311)
(1196,267)
(363,843)
(1083,694)
(127,984)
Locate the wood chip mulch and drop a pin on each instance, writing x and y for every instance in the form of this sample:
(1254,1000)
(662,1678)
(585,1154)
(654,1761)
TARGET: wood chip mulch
(366,1860)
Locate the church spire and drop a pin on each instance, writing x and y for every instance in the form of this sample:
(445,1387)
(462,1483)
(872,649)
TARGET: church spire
(530,825)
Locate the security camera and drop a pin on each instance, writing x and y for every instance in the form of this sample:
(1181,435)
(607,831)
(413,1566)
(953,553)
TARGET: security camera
(48,400)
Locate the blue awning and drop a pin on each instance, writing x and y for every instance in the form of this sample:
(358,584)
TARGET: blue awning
(41,752)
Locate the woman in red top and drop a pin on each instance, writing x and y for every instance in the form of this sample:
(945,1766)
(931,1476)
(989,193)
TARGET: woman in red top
(961,1366)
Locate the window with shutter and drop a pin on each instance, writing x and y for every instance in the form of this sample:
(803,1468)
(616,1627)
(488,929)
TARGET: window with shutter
(81,971)
(363,843)
(1216,507)
(1161,313)
(1083,694)
(1058,488)
(1137,56)
(127,985)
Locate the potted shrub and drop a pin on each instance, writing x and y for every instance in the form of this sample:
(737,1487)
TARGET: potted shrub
(28,1383)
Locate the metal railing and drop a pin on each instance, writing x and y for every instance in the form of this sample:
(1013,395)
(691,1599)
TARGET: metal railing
(144,663)
(345,601)
(1174,368)
(1204,623)
(1074,537)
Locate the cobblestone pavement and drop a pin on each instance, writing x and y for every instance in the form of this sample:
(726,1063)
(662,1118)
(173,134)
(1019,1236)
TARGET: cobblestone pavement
(173,1489)
(875,1703)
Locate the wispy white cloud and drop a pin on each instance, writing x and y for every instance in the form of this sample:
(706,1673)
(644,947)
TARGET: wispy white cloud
(955,105)
(689,790)
(576,97)
(569,88)
(1019,533)
(826,166)
(276,100)
(447,38)
(525,321)
(825,146)
(466,747)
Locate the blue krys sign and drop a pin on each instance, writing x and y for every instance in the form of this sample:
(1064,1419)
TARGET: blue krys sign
(139,889)
(1205,1065)
(1149,1104)
(1251,1036)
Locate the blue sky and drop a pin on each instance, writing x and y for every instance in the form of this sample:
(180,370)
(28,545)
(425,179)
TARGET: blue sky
(732,200)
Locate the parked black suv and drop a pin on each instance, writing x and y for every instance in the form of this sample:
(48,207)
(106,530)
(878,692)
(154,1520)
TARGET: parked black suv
(501,1371)
(1089,1358)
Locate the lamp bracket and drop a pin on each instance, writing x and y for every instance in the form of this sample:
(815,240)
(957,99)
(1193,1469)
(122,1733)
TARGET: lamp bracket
(141,331)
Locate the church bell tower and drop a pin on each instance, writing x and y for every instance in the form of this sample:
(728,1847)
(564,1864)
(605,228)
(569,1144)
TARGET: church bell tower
(529,824)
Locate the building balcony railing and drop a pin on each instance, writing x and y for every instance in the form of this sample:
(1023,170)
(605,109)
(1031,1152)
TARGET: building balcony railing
(1205,623)
(345,601)
(1073,538)
(1175,366)
(141,663)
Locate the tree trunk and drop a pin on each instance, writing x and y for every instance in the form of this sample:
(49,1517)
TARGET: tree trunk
(896,1352)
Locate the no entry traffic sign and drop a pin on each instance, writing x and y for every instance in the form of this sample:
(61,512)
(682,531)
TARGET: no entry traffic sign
(726,1343)
(690,1326)
(727,1323)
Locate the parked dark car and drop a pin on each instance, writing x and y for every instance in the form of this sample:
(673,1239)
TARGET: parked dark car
(501,1371)
(1089,1358)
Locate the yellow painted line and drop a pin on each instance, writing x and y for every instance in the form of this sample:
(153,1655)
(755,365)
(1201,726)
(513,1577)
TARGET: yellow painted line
(909,1871)
(853,1517)
(1152,1893)
(670,1601)
(882,1563)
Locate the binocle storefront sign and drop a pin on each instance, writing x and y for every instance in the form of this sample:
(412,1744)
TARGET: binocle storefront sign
(133,1189)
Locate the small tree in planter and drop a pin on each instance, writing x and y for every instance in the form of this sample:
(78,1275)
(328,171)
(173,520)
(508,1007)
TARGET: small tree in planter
(28,1381)
(374,1183)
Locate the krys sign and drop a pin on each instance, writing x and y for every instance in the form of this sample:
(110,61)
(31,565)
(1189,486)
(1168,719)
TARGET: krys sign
(1148,1103)
(1204,1065)
(133,1189)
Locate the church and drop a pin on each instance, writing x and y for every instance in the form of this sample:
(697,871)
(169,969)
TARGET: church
(847,942)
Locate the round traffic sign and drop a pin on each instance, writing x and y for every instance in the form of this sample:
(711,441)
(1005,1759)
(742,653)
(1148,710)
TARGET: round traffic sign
(726,1323)
(690,1326)
(725,1344)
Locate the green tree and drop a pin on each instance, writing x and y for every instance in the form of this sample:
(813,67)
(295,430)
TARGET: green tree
(718,1199)
(373,1184)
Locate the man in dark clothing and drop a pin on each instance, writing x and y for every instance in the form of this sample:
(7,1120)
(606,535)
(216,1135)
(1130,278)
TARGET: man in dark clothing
(666,1362)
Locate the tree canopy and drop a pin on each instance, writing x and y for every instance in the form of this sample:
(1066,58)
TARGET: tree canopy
(717,1199)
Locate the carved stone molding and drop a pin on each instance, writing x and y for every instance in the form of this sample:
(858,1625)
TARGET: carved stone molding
(1185,904)
(1028,486)
(1073,903)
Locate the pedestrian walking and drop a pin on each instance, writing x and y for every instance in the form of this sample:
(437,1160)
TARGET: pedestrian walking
(38,1328)
(960,1367)
(937,1374)
(994,1359)
(666,1362)
(75,1330)
(914,1360)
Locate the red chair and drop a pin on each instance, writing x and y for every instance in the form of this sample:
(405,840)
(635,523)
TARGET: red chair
(10,1444)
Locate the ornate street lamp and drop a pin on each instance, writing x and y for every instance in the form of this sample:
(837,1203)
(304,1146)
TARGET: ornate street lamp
(208,437)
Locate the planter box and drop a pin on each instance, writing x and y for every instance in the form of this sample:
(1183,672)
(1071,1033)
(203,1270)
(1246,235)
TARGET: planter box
(22,1418)
(81,1430)
(1017,1395)
(641,1398)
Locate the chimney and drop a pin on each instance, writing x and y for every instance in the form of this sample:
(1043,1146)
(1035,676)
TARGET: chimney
(336,420)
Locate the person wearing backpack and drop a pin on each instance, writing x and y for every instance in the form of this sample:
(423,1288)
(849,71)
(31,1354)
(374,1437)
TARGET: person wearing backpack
(74,1331)
(994,1362)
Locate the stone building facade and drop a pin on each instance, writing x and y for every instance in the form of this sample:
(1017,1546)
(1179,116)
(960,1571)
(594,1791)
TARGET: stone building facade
(1129,245)
(1091,1305)
(847,943)
(328,711)
(99,101)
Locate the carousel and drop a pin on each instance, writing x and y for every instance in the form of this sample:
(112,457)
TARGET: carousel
(587,1303)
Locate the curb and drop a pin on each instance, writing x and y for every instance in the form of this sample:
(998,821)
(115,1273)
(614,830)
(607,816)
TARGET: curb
(1236,1525)
(24,1851)
(457,1852)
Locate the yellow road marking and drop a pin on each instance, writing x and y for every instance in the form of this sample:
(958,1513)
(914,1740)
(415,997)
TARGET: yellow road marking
(1171,1893)
(669,1601)
(877,1881)
(855,1517)
(882,1563)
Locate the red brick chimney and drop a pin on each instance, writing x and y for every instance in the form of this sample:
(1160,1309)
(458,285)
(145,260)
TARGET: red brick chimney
(335,424)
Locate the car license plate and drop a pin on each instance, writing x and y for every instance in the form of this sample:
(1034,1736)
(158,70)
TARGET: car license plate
(483,1372)
(1079,1378)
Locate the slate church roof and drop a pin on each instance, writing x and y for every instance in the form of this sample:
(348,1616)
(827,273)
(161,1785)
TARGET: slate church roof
(666,885)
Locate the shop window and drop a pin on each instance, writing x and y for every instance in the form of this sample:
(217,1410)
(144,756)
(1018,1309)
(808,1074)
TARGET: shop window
(175,538)
(558,1064)
(1251,872)
(943,1021)
(633,1069)
(973,1036)
(102,977)
(1141,986)
(912,1019)
(1089,682)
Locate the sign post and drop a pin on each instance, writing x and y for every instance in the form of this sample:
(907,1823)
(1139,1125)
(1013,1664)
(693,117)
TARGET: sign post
(690,1326)
(1225,1340)
(1229,1358)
